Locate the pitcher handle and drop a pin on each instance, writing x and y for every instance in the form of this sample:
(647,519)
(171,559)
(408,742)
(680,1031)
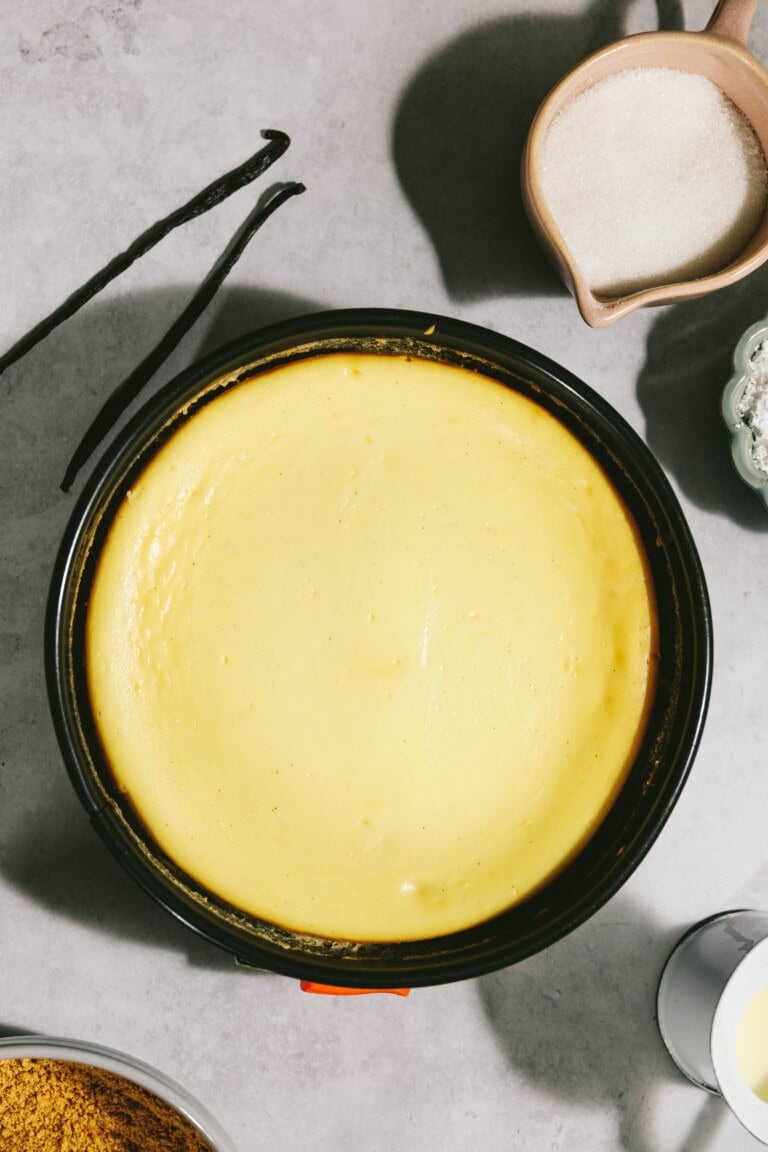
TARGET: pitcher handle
(731,20)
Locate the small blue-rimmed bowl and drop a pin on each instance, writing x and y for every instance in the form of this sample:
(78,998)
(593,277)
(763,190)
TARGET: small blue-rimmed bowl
(742,435)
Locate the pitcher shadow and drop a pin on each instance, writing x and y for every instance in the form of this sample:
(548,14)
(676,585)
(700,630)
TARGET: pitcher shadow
(688,362)
(48,851)
(578,1021)
(459,132)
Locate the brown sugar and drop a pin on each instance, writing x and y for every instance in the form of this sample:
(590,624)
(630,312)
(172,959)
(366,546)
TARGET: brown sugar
(58,1106)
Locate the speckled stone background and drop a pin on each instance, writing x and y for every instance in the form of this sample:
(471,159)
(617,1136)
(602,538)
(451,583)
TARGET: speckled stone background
(407,122)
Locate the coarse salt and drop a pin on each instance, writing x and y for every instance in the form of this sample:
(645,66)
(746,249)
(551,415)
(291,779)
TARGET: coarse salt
(653,176)
(753,406)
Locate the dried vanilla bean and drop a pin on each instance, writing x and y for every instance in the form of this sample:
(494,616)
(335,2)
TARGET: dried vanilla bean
(210,196)
(129,389)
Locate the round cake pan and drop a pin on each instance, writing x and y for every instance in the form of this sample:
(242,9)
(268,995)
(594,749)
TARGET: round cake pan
(662,762)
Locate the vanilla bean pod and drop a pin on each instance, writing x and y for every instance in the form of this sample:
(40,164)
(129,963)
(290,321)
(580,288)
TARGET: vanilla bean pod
(133,384)
(208,198)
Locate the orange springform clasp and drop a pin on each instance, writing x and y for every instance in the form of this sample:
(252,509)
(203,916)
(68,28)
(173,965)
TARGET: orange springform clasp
(332,990)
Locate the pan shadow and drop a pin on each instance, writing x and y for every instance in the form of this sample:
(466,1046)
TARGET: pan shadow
(578,1023)
(48,851)
(459,133)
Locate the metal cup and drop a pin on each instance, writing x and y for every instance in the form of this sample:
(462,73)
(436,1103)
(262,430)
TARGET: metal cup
(710,977)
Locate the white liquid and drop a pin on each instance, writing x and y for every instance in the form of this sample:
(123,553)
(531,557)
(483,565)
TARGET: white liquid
(752,1044)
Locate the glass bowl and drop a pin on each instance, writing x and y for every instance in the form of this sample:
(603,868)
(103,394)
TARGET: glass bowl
(129,1068)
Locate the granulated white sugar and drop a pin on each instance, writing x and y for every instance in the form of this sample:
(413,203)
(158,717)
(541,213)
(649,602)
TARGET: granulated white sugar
(653,176)
(753,406)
